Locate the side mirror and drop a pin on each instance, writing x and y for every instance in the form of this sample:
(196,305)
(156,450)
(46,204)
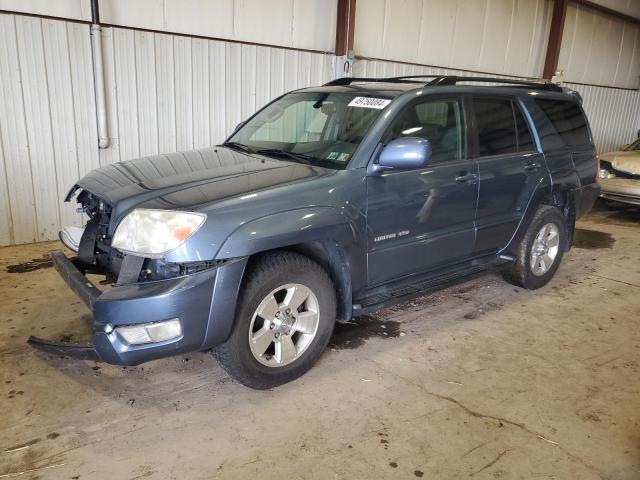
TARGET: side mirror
(404,154)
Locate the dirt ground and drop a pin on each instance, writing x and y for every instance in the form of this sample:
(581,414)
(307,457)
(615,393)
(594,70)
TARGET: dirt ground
(482,380)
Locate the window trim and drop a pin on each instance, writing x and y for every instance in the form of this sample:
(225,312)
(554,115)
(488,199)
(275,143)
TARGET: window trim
(528,118)
(515,104)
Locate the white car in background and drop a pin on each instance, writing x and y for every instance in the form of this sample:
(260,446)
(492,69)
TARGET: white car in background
(619,175)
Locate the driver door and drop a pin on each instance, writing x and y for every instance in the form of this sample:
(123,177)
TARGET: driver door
(423,219)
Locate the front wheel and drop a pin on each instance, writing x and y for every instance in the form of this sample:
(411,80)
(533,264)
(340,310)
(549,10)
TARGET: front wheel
(541,249)
(285,317)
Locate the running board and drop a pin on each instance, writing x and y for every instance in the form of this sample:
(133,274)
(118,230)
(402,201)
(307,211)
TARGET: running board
(401,291)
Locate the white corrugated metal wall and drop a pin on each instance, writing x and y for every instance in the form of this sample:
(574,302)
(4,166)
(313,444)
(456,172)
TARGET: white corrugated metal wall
(599,49)
(165,93)
(518,29)
(505,37)
(304,24)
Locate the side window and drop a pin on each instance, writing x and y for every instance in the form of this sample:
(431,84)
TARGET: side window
(496,126)
(525,140)
(439,121)
(568,121)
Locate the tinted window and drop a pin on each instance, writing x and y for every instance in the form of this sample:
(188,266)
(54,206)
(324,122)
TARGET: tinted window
(567,120)
(525,140)
(439,121)
(496,126)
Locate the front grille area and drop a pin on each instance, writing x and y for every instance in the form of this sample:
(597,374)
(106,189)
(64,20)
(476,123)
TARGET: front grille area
(108,260)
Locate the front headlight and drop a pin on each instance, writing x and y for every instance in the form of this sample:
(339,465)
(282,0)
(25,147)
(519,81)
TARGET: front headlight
(605,170)
(604,173)
(153,233)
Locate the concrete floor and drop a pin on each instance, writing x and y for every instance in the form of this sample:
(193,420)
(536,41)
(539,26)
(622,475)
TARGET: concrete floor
(481,380)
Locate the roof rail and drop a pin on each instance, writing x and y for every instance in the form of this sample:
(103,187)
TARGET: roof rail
(447,80)
(349,80)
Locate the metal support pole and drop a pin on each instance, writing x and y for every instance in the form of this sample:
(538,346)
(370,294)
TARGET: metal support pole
(98,76)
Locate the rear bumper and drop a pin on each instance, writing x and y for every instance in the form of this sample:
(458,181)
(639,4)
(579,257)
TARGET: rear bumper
(204,302)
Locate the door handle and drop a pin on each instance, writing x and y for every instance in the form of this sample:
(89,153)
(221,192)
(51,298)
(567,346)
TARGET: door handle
(464,177)
(531,167)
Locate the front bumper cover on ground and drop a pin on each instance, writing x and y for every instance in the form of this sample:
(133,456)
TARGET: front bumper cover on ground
(88,293)
(65,349)
(204,302)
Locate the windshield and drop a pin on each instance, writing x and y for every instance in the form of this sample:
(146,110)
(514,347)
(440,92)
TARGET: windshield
(322,129)
(634,146)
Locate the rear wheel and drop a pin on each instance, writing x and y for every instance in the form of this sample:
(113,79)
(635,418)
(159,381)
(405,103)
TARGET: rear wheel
(286,313)
(541,249)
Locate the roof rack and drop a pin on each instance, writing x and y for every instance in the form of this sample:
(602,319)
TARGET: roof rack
(349,80)
(448,80)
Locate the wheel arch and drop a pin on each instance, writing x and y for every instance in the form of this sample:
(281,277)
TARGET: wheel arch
(563,198)
(323,234)
(332,257)
(558,195)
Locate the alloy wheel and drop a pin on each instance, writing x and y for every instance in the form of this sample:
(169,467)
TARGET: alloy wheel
(544,249)
(284,325)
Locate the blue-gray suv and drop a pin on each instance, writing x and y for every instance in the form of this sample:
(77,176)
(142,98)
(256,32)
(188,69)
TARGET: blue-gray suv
(330,202)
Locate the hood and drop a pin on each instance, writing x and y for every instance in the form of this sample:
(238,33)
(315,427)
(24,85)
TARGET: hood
(232,188)
(624,161)
(188,180)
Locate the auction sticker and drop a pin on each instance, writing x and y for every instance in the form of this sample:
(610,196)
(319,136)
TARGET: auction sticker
(369,102)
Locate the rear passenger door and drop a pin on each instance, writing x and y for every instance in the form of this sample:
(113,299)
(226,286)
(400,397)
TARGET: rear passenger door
(510,169)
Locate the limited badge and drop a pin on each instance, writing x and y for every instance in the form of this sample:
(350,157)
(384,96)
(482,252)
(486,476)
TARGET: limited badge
(343,157)
(369,102)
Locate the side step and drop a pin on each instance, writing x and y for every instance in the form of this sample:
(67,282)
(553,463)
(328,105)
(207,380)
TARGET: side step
(404,290)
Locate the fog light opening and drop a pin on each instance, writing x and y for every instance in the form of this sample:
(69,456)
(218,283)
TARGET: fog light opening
(151,332)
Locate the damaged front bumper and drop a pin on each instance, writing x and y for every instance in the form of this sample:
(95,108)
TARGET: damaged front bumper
(204,302)
(88,293)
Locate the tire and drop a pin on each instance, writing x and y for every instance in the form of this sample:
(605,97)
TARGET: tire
(239,354)
(527,271)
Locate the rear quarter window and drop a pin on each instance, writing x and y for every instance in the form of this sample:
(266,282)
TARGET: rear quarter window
(569,125)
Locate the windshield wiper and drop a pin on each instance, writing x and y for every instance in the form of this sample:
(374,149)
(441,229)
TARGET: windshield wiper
(297,157)
(239,146)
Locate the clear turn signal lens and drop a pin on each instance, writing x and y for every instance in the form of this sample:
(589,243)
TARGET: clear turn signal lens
(151,332)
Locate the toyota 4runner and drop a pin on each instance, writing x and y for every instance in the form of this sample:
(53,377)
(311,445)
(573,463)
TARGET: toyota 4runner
(328,203)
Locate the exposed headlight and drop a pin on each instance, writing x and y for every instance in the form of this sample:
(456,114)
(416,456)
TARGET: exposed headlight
(604,173)
(150,332)
(605,170)
(153,233)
